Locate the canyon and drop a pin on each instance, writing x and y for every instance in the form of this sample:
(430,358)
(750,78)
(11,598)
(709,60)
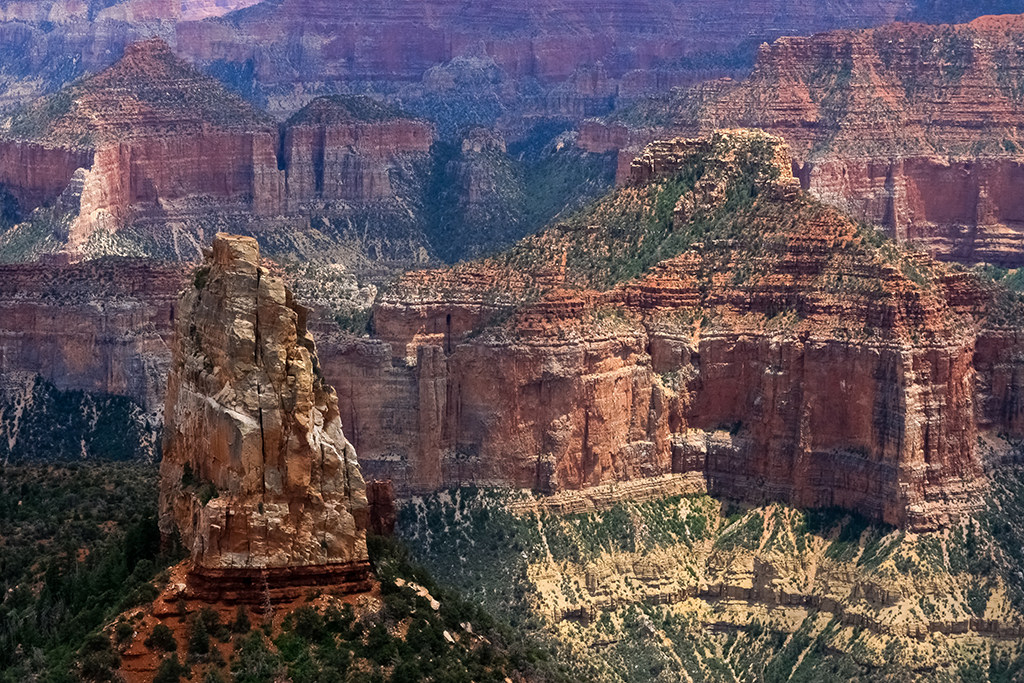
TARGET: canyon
(805,364)
(908,126)
(814,363)
(568,59)
(150,157)
(912,127)
(711,424)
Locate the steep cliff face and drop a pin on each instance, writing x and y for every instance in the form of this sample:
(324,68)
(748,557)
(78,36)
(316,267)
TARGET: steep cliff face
(149,157)
(574,59)
(913,127)
(347,149)
(101,327)
(166,155)
(563,59)
(356,169)
(84,353)
(714,324)
(257,476)
(131,127)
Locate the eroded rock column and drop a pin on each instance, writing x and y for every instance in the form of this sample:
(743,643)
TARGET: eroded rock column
(257,476)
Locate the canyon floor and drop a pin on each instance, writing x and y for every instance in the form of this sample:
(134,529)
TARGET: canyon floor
(618,584)
(697,589)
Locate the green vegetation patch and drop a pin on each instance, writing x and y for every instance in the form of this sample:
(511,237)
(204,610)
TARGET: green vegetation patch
(80,544)
(410,639)
(43,423)
(337,109)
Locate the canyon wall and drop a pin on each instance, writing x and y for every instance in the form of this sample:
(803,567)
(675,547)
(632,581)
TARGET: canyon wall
(172,155)
(817,367)
(101,326)
(915,128)
(84,354)
(887,429)
(345,149)
(583,56)
(810,369)
(34,174)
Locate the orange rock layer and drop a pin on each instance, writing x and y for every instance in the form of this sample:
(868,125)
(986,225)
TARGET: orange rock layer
(257,476)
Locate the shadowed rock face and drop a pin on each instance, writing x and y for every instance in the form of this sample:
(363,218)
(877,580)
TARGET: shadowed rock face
(257,474)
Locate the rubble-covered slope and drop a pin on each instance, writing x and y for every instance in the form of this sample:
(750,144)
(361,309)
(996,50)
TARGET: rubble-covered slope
(637,584)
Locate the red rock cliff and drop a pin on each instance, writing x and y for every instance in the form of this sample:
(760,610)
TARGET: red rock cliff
(102,326)
(158,139)
(784,356)
(913,127)
(344,149)
(170,154)
(581,55)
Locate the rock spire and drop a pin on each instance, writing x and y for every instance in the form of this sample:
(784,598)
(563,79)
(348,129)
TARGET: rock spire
(257,476)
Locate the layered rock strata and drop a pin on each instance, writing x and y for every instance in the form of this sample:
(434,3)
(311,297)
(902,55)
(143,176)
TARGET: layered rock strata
(132,127)
(342,149)
(162,155)
(912,127)
(556,58)
(784,355)
(102,326)
(257,476)
(568,59)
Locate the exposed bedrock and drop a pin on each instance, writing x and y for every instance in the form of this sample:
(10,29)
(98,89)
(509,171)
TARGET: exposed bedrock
(102,326)
(170,153)
(807,368)
(257,476)
(915,128)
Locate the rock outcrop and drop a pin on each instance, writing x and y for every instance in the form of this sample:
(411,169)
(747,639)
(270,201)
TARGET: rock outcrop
(257,476)
(341,149)
(912,127)
(132,127)
(784,353)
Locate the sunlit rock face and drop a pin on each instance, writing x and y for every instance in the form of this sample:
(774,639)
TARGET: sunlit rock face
(912,127)
(257,476)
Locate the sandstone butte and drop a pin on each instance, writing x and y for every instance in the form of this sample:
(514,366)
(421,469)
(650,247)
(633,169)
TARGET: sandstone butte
(257,476)
(709,325)
(916,128)
(154,145)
